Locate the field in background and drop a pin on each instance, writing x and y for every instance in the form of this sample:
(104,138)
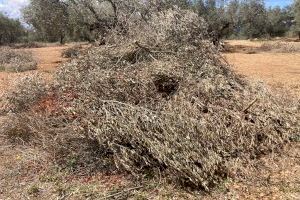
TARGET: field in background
(24,171)
(275,68)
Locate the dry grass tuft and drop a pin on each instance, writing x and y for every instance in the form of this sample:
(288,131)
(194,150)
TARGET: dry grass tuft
(72,52)
(281,47)
(16,60)
(162,101)
(27,91)
(27,45)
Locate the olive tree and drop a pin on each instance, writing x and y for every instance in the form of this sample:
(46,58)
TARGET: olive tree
(214,12)
(48,18)
(254,18)
(279,21)
(11,30)
(297,17)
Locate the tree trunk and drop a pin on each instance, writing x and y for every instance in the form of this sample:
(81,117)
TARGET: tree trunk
(62,37)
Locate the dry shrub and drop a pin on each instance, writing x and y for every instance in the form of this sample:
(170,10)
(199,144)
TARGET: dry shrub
(2,68)
(173,29)
(27,45)
(72,52)
(15,128)
(27,91)
(280,47)
(16,60)
(162,99)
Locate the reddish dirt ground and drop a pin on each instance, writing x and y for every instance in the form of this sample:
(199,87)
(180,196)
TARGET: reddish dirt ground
(48,59)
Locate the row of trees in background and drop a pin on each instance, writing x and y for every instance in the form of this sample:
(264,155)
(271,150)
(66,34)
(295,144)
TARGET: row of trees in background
(57,20)
(297,17)
(246,18)
(75,20)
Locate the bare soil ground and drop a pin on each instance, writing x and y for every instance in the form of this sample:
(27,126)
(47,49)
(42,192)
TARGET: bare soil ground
(26,173)
(276,69)
(48,59)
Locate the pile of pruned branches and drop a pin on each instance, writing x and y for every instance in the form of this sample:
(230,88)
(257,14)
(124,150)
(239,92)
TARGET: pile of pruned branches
(157,96)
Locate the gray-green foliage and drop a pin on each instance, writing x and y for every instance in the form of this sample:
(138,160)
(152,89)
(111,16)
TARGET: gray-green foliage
(297,17)
(214,11)
(234,18)
(253,18)
(240,18)
(55,20)
(49,18)
(10,30)
(90,20)
(279,21)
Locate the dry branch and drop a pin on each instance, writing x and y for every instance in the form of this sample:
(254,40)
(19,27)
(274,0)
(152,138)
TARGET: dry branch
(250,105)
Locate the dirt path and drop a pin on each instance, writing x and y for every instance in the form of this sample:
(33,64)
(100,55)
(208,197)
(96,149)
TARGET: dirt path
(48,59)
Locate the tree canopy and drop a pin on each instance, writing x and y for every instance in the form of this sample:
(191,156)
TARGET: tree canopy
(56,20)
(297,17)
(11,30)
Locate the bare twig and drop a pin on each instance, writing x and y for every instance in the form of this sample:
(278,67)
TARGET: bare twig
(124,191)
(145,48)
(250,105)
